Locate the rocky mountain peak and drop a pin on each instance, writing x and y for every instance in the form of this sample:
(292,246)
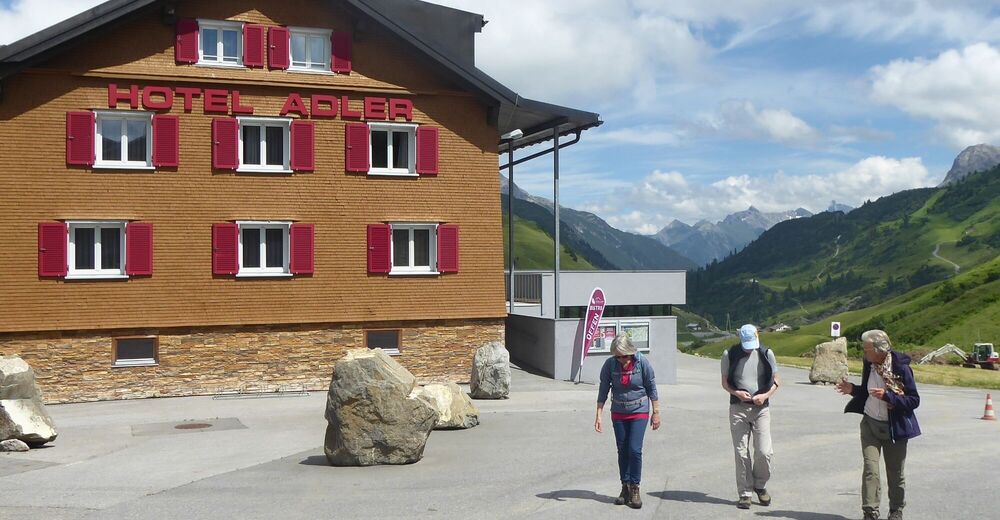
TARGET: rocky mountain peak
(975,158)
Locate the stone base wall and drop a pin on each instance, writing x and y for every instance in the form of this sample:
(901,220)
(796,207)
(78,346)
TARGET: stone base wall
(78,366)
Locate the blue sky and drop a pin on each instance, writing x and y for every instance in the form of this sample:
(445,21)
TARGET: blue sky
(711,106)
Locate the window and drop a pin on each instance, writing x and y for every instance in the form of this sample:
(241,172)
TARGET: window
(387,340)
(96,250)
(309,49)
(393,150)
(414,248)
(264,145)
(221,43)
(124,139)
(263,248)
(136,351)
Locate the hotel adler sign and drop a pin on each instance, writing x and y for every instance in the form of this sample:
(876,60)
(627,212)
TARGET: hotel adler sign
(222,101)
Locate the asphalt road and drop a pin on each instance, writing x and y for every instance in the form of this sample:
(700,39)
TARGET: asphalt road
(535,455)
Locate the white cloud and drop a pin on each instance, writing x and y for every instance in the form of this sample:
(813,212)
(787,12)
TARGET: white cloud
(25,17)
(663,196)
(957,90)
(646,135)
(741,119)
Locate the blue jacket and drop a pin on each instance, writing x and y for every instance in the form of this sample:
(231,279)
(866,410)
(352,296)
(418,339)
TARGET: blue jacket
(902,421)
(624,398)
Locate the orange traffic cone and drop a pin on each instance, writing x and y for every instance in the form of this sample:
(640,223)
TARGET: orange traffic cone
(988,414)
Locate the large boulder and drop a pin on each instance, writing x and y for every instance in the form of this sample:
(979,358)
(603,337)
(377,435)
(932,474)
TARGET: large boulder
(374,415)
(22,413)
(490,372)
(830,362)
(455,409)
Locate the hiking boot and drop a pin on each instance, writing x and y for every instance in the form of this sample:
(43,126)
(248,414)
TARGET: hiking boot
(870,514)
(743,503)
(623,496)
(896,515)
(763,497)
(634,497)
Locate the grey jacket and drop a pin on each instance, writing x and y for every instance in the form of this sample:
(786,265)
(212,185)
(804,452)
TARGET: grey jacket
(633,398)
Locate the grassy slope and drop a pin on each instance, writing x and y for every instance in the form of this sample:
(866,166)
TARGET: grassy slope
(534,248)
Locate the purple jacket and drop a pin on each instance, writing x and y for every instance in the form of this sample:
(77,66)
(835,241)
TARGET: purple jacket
(902,421)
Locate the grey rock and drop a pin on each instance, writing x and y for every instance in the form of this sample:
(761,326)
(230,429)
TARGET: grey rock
(22,412)
(454,407)
(373,414)
(830,362)
(977,158)
(490,372)
(13,445)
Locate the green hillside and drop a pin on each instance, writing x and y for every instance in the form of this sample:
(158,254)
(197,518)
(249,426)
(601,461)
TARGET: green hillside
(806,270)
(534,248)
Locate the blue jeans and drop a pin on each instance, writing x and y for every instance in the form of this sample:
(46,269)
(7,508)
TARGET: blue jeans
(629,435)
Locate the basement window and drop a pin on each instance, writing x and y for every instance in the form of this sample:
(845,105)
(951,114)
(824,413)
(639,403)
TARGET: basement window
(137,351)
(387,340)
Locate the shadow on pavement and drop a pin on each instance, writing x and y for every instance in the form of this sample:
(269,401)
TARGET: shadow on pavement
(690,496)
(802,515)
(315,460)
(584,494)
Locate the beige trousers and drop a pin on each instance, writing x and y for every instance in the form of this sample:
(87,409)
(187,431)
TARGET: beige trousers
(749,422)
(876,443)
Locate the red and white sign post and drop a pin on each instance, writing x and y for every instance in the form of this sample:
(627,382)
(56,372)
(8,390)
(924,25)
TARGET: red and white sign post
(595,311)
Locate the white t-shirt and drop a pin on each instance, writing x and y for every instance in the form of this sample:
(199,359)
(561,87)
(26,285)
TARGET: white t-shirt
(876,408)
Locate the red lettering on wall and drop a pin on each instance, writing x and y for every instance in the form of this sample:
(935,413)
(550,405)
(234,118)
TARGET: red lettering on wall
(188,93)
(165,103)
(322,99)
(114,96)
(374,108)
(216,101)
(294,103)
(345,109)
(400,107)
(237,107)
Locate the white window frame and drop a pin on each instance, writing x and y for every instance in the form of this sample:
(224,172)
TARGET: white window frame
(264,271)
(412,269)
(411,130)
(649,330)
(97,273)
(136,362)
(310,32)
(124,115)
(390,351)
(220,26)
(263,122)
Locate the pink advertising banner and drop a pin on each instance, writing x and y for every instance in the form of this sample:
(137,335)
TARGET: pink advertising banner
(595,311)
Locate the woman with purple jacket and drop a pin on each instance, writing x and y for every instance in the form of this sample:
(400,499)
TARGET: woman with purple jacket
(886,397)
(629,377)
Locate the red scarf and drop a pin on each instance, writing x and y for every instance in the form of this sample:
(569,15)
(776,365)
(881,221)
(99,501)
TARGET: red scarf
(627,372)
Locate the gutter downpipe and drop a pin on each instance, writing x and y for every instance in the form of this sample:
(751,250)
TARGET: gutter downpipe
(555,208)
(510,225)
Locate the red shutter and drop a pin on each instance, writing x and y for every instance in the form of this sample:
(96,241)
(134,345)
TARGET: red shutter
(341,44)
(277,55)
(427,150)
(225,143)
(225,248)
(356,139)
(80,138)
(303,146)
(166,140)
(379,241)
(139,249)
(186,47)
(253,45)
(447,242)
(52,240)
(301,248)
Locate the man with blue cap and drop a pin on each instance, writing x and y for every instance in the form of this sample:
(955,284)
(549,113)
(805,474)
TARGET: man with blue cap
(750,376)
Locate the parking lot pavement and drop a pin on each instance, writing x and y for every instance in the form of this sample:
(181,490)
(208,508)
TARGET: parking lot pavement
(535,455)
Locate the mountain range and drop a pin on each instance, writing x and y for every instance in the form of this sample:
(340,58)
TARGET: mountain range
(977,158)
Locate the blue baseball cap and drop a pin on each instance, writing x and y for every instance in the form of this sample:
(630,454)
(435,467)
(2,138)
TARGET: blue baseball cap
(748,337)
